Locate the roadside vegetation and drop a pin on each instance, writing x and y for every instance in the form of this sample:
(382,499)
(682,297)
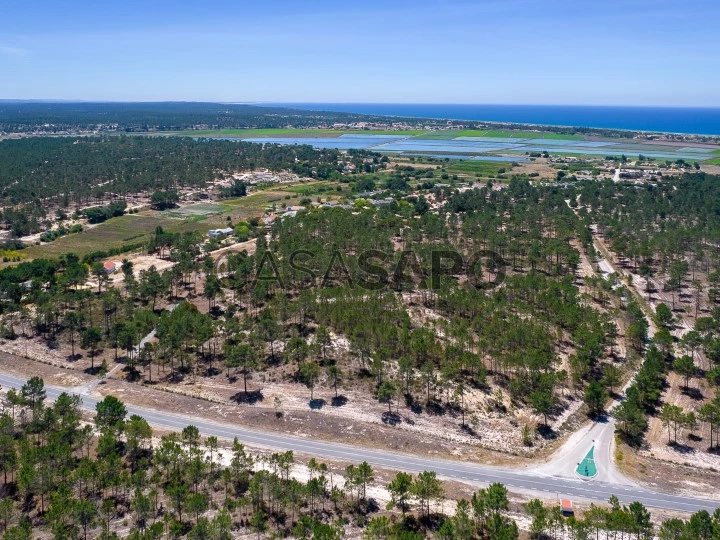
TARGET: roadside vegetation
(113,477)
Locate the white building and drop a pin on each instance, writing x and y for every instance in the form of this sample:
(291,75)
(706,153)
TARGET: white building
(212,233)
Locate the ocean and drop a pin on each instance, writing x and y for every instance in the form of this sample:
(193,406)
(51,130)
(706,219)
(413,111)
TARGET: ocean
(701,121)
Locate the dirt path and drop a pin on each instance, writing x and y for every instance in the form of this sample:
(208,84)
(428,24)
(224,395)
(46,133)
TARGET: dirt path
(658,454)
(597,435)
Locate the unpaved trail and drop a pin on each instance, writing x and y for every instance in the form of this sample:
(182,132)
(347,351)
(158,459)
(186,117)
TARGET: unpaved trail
(600,435)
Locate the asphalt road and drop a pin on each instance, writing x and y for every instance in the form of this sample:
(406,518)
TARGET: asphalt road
(519,480)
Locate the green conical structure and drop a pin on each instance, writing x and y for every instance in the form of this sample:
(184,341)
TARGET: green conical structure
(586,468)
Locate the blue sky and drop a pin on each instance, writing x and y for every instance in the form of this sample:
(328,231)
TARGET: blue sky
(632,52)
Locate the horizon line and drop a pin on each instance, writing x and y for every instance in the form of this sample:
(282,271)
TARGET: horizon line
(286,103)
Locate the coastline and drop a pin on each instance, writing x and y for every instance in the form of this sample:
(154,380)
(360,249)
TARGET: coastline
(702,122)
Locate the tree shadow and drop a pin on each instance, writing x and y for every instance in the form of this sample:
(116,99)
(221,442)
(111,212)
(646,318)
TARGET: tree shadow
(211,372)
(411,523)
(391,418)
(176,377)
(216,311)
(93,370)
(601,418)
(316,404)
(479,385)
(546,432)
(250,398)
(133,375)
(454,409)
(8,490)
(434,408)
(413,405)
(433,521)
(693,393)
(339,401)
(681,448)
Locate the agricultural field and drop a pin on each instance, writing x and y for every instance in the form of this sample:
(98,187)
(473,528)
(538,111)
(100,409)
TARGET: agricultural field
(520,135)
(197,210)
(308,189)
(448,134)
(133,229)
(112,234)
(452,134)
(493,144)
(286,132)
(478,168)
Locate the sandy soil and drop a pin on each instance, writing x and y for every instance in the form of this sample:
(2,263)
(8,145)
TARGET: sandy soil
(540,166)
(691,451)
(301,421)
(144,262)
(361,413)
(673,477)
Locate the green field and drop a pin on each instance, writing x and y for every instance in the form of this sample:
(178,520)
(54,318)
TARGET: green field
(114,233)
(483,168)
(138,228)
(282,132)
(715,161)
(253,205)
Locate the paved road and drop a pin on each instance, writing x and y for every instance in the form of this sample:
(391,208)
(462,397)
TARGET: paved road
(523,480)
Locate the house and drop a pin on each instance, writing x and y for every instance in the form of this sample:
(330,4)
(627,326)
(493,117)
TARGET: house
(382,202)
(109,267)
(213,233)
